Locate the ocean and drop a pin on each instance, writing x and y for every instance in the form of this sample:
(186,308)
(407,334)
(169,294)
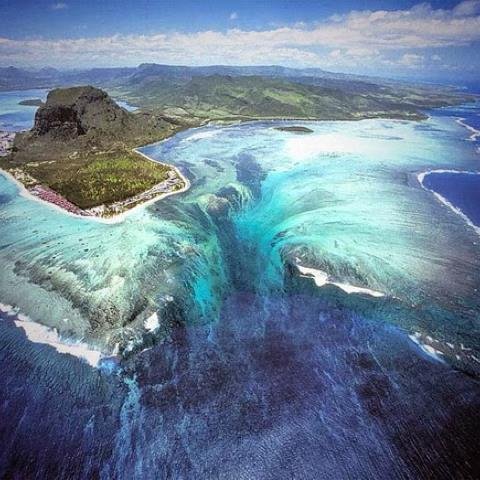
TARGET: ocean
(317,305)
(460,189)
(15,117)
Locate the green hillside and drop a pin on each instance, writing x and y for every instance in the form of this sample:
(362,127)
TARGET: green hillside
(223,96)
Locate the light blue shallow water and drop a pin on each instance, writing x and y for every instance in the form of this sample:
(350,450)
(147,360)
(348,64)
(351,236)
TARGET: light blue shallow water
(15,117)
(256,352)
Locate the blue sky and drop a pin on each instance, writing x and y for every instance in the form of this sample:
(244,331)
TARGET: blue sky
(400,38)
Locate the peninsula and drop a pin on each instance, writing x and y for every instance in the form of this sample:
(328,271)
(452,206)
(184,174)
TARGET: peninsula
(80,155)
(81,152)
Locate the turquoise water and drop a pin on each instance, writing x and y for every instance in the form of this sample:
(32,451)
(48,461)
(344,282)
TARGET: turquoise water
(221,266)
(15,117)
(344,200)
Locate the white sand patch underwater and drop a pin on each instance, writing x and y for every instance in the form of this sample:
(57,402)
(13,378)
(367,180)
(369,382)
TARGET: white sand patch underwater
(321,279)
(309,146)
(152,323)
(49,336)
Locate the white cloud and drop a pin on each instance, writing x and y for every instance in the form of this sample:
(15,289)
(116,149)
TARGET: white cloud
(355,39)
(467,8)
(411,60)
(233,16)
(59,6)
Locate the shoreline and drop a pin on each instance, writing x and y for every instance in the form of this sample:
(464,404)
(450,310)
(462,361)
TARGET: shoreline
(420,176)
(117,218)
(120,217)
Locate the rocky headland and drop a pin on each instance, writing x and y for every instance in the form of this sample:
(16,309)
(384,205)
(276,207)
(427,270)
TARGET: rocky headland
(80,154)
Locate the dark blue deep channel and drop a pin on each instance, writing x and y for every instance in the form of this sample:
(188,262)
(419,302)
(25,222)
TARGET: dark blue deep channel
(461,189)
(301,312)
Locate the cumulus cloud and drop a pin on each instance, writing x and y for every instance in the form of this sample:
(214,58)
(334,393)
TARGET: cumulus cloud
(233,16)
(59,6)
(359,37)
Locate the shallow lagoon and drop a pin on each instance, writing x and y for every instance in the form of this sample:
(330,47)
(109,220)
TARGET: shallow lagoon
(15,117)
(304,379)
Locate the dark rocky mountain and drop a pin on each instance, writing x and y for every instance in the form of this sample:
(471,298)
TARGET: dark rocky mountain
(81,147)
(69,113)
(86,117)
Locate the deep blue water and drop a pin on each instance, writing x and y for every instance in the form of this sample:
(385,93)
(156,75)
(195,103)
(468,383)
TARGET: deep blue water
(462,190)
(258,371)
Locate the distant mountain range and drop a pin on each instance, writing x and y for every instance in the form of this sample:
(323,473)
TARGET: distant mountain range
(18,78)
(222,92)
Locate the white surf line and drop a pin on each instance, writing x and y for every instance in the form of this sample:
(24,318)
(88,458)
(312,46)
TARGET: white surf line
(427,349)
(321,279)
(421,176)
(475,133)
(38,333)
(24,192)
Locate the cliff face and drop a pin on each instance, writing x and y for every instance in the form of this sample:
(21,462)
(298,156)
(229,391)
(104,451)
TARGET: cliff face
(72,112)
(85,119)
(81,147)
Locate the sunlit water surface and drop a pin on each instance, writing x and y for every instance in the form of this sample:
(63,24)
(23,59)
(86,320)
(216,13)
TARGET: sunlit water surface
(316,311)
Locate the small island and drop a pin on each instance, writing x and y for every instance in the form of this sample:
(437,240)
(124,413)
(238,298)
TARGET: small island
(81,155)
(33,102)
(295,129)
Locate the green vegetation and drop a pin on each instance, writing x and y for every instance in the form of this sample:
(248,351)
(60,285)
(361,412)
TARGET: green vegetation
(254,97)
(101,178)
(81,147)
(81,143)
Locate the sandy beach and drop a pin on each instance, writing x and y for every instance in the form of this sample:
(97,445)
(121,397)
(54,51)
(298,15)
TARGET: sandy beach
(54,200)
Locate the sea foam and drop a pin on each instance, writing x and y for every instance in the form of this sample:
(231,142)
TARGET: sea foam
(321,279)
(474,132)
(421,177)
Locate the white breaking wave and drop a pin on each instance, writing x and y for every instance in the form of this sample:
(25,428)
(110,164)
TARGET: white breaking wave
(428,349)
(321,279)
(421,177)
(474,132)
(49,336)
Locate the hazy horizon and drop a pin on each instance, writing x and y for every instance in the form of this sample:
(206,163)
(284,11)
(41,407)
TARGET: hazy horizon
(435,41)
